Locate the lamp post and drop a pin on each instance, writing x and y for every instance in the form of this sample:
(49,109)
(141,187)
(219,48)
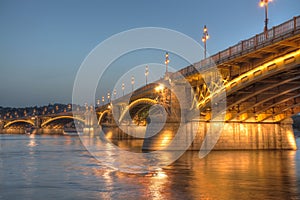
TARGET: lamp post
(146,74)
(123,88)
(108,97)
(167,62)
(132,83)
(115,94)
(103,100)
(264,3)
(205,37)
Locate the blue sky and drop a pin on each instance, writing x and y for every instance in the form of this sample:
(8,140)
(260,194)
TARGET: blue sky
(43,43)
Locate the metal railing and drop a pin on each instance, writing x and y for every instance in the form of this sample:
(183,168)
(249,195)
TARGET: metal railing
(248,45)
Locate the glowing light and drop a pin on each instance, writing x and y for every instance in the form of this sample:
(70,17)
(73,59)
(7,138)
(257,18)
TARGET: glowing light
(160,88)
(167,58)
(109,135)
(165,140)
(263,3)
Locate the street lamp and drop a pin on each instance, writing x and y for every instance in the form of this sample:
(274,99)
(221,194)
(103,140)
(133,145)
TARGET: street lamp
(103,100)
(123,88)
(146,74)
(115,93)
(264,3)
(108,97)
(167,62)
(205,37)
(132,83)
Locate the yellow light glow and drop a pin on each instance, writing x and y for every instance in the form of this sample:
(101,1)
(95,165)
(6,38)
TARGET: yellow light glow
(262,4)
(262,67)
(165,140)
(159,88)
(109,135)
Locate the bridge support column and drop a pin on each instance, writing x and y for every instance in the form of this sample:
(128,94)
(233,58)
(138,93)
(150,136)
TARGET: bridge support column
(234,136)
(37,122)
(246,136)
(90,123)
(288,137)
(1,126)
(37,126)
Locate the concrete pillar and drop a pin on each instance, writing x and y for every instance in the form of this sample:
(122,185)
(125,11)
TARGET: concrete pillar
(181,101)
(288,138)
(234,136)
(37,122)
(90,123)
(1,124)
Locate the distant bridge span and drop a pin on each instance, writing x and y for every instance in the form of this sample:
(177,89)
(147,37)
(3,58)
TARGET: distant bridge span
(61,117)
(19,121)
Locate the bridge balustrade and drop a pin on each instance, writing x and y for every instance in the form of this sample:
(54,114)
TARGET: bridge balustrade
(253,43)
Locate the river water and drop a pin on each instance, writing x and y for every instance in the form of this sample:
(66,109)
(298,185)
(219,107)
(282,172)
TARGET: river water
(59,167)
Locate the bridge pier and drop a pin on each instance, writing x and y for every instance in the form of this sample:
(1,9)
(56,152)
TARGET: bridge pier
(1,126)
(235,136)
(90,123)
(246,136)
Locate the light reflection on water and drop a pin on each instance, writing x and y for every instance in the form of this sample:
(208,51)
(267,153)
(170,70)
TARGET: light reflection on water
(36,167)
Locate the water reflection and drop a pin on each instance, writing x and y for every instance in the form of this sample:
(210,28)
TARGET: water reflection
(32,142)
(158,180)
(246,175)
(59,167)
(124,159)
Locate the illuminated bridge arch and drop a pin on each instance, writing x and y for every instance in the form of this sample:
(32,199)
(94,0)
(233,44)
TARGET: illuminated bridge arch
(286,111)
(61,117)
(101,115)
(135,103)
(268,69)
(286,66)
(19,121)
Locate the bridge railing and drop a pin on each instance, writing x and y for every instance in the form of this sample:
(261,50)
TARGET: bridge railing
(253,43)
(275,32)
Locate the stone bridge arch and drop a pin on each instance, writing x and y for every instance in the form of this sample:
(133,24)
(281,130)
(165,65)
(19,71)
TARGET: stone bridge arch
(19,121)
(135,103)
(61,117)
(247,90)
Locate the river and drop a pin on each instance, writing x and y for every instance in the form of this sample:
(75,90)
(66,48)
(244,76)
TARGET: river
(59,167)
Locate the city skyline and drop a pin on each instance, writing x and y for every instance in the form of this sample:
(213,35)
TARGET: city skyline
(44,43)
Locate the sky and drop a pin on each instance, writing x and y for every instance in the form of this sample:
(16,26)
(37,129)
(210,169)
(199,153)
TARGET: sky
(43,43)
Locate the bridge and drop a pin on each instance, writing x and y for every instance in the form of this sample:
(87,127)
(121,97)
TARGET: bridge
(44,124)
(260,78)
(255,90)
